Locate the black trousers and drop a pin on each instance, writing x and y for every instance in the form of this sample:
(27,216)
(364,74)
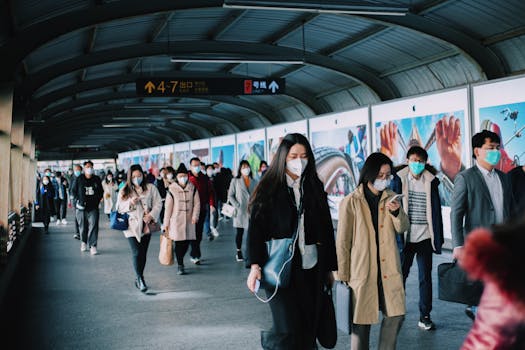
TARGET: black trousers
(196,244)
(293,312)
(238,237)
(423,252)
(181,247)
(139,252)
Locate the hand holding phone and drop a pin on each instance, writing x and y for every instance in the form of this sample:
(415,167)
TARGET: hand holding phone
(257,285)
(397,197)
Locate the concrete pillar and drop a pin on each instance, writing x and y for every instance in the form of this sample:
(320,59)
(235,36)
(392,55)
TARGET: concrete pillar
(17,169)
(6,118)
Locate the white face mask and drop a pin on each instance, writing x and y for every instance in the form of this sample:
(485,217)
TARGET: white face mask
(209,173)
(88,171)
(196,169)
(245,171)
(296,166)
(169,176)
(45,182)
(110,178)
(216,171)
(381,185)
(182,180)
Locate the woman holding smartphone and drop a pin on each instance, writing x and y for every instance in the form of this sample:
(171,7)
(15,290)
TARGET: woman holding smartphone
(367,254)
(290,198)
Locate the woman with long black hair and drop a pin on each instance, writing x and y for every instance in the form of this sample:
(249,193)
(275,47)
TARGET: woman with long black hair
(142,202)
(290,198)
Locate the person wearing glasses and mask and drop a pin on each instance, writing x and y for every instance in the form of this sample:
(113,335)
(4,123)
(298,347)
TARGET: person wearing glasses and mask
(181,215)
(291,199)
(241,187)
(140,199)
(367,254)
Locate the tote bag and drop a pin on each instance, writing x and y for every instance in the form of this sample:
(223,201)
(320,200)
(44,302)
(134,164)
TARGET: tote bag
(343,315)
(227,210)
(118,221)
(455,286)
(166,250)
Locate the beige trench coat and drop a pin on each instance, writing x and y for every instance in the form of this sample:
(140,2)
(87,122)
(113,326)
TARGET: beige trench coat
(357,256)
(110,196)
(181,206)
(150,199)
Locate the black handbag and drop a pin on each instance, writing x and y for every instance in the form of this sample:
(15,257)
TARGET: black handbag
(326,327)
(455,286)
(344,314)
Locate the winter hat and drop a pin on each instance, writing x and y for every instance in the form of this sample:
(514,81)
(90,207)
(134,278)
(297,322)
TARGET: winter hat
(182,169)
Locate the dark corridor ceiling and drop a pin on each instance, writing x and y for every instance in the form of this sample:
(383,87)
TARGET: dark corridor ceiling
(74,63)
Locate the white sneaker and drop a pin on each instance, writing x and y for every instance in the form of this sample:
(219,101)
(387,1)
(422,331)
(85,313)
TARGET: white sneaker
(58,222)
(64,222)
(214,232)
(83,247)
(93,251)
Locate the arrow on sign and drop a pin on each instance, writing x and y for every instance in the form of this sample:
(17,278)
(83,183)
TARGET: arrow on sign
(273,86)
(150,87)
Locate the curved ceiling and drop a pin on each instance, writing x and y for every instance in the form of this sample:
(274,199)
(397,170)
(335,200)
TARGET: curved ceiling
(74,63)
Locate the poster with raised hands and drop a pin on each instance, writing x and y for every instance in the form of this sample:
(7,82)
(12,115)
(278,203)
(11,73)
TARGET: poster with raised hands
(251,146)
(223,151)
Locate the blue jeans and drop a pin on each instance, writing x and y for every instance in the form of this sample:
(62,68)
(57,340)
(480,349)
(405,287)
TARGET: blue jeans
(206,226)
(423,250)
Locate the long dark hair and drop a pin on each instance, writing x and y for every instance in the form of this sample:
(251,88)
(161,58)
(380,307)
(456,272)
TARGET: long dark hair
(126,190)
(244,162)
(275,177)
(371,168)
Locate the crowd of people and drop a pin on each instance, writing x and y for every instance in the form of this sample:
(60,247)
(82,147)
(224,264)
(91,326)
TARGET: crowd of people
(393,216)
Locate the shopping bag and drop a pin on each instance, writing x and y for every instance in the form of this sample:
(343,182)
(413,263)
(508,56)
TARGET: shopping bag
(118,221)
(343,314)
(455,286)
(166,250)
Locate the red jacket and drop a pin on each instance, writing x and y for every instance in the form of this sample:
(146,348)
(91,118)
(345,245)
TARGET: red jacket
(204,187)
(500,320)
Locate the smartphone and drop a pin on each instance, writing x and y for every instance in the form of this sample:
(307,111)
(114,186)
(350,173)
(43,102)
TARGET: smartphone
(257,285)
(397,197)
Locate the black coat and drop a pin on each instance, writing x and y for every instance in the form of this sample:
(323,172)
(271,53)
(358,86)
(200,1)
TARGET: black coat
(278,218)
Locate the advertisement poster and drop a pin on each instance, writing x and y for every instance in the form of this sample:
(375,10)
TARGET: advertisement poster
(340,145)
(223,151)
(201,150)
(250,147)
(436,122)
(500,107)
(166,156)
(154,161)
(181,154)
(275,134)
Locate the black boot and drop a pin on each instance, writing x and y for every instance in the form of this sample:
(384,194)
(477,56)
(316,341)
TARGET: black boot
(277,341)
(141,284)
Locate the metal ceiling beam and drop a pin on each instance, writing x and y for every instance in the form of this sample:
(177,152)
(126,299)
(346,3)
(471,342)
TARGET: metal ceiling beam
(483,56)
(25,41)
(244,50)
(89,49)
(233,18)
(119,110)
(101,98)
(504,36)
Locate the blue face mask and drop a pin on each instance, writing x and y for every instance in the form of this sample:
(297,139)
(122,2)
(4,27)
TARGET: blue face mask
(137,180)
(492,156)
(416,168)
(77,173)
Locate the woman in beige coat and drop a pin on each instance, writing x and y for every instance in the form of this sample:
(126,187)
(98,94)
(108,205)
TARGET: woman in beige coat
(367,254)
(142,202)
(110,193)
(181,214)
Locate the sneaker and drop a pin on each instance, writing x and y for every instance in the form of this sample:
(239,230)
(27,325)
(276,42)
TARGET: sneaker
(239,256)
(214,232)
(83,247)
(196,261)
(470,311)
(93,250)
(426,323)
(76,236)
(64,222)
(58,222)
(180,270)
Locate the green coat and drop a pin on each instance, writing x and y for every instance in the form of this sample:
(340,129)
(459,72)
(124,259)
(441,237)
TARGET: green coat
(357,256)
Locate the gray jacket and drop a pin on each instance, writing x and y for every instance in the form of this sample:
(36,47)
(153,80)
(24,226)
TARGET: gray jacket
(239,197)
(471,202)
